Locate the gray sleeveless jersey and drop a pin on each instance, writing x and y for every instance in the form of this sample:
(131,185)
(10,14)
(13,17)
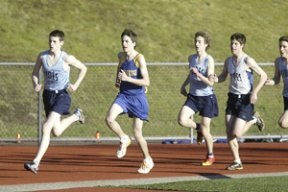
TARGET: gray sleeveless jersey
(241,81)
(283,69)
(55,77)
(198,87)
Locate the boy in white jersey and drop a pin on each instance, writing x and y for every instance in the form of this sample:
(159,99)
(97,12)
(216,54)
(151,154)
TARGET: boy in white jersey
(240,114)
(201,97)
(281,69)
(132,78)
(56,68)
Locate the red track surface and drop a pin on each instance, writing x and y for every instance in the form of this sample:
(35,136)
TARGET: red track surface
(98,162)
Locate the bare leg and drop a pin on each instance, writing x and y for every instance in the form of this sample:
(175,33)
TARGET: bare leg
(184,119)
(113,112)
(283,120)
(205,129)
(46,130)
(61,126)
(137,129)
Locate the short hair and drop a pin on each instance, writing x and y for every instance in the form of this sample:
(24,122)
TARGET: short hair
(283,38)
(206,36)
(131,34)
(57,33)
(238,37)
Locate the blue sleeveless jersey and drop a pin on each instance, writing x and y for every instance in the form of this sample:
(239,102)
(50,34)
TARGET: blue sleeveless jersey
(131,68)
(55,77)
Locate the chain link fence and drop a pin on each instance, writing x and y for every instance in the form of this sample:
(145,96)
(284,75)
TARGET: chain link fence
(22,113)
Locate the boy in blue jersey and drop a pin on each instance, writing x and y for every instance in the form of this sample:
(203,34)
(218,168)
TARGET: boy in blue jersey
(55,64)
(281,69)
(240,114)
(132,78)
(201,97)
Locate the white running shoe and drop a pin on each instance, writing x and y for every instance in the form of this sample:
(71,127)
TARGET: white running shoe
(124,143)
(259,121)
(31,166)
(146,166)
(80,115)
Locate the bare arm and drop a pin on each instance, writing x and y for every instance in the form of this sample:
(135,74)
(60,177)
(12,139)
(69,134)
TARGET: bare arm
(184,84)
(35,74)
(263,77)
(222,77)
(117,80)
(276,79)
(71,60)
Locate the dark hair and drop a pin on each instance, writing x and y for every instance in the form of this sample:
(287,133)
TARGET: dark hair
(57,33)
(206,36)
(283,38)
(238,37)
(131,34)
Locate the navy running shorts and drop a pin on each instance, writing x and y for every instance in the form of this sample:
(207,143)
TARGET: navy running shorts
(285,99)
(206,105)
(58,102)
(134,105)
(240,106)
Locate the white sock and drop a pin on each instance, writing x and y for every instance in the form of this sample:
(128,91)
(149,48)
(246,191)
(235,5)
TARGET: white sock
(36,162)
(255,119)
(238,161)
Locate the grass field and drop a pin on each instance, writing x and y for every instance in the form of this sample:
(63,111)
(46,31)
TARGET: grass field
(259,184)
(165,29)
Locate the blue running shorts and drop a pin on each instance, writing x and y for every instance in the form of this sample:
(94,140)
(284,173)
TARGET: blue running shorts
(58,102)
(134,105)
(240,106)
(207,106)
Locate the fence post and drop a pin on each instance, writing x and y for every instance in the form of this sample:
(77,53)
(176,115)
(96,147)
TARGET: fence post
(39,113)
(191,135)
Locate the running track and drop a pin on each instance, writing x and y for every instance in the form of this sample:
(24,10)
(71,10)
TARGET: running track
(92,167)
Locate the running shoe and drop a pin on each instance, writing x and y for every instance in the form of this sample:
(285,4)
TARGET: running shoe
(208,161)
(146,166)
(124,143)
(235,166)
(79,114)
(259,121)
(31,166)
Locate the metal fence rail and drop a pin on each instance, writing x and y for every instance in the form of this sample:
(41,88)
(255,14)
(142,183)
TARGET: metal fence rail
(21,108)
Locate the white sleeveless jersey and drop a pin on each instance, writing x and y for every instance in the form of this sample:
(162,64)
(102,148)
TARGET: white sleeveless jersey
(55,77)
(198,87)
(283,69)
(241,81)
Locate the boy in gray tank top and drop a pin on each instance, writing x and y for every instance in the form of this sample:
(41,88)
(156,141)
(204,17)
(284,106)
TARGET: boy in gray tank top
(56,68)
(240,114)
(281,69)
(201,97)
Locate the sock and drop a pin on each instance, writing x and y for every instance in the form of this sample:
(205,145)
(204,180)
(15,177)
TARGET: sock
(77,116)
(36,162)
(210,155)
(198,127)
(148,159)
(254,119)
(238,161)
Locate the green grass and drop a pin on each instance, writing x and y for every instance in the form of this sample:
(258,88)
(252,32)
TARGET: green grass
(165,27)
(260,184)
